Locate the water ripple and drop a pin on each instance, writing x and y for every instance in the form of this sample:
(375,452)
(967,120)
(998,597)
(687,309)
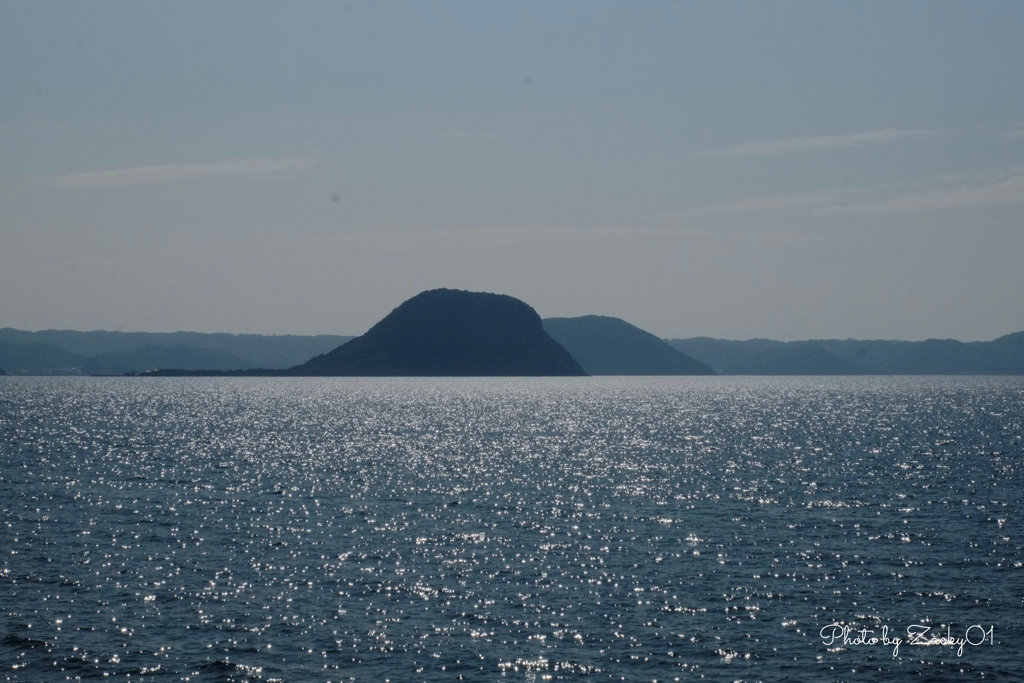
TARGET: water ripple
(482,529)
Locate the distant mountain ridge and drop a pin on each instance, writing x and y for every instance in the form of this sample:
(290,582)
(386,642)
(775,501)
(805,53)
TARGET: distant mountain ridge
(795,359)
(70,352)
(154,357)
(611,346)
(38,359)
(1002,356)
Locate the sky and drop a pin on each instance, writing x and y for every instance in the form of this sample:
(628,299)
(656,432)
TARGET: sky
(788,170)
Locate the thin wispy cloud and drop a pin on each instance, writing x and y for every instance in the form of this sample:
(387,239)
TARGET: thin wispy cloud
(168,173)
(1016,130)
(1007,190)
(814,144)
(802,200)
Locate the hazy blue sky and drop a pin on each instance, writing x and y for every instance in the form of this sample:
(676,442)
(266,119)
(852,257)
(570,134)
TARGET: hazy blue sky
(786,170)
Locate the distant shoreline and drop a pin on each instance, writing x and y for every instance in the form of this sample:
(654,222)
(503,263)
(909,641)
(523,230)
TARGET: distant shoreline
(114,354)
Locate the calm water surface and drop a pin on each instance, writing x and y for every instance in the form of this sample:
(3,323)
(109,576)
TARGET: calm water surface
(633,529)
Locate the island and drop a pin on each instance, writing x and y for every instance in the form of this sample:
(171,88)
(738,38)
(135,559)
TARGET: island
(450,333)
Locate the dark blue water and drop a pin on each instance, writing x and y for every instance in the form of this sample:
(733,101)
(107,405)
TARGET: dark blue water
(522,530)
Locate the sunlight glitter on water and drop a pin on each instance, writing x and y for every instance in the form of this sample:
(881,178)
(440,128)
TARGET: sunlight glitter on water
(646,528)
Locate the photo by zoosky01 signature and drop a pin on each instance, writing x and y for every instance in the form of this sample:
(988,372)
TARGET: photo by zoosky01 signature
(917,634)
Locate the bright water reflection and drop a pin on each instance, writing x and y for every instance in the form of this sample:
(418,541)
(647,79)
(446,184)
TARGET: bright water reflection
(480,529)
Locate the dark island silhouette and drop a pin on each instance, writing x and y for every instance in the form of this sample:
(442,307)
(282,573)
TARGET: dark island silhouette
(438,333)
(611,346)
(451,333)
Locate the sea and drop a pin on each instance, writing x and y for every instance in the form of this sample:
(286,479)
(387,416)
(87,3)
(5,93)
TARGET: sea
(523,529)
